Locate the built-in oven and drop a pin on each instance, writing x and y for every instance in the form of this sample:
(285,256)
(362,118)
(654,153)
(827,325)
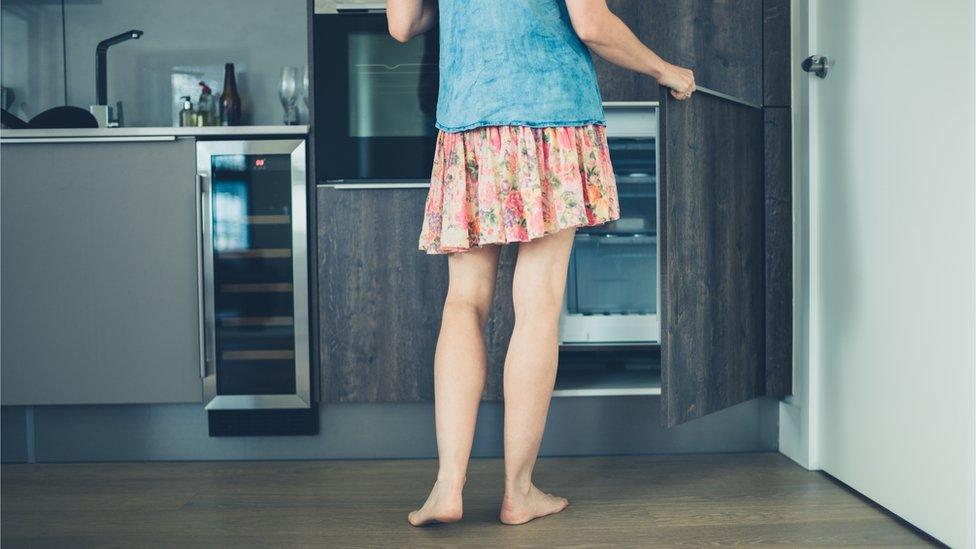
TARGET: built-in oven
(375,98)
(612,292)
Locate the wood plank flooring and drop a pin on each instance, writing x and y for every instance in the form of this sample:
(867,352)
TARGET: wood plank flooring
(633,501)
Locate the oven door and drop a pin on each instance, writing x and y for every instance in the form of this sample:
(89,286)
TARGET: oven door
(375,100)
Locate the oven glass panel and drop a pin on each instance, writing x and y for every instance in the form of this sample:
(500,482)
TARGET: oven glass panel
(613,268)
(391,89)
(252,270)
(375,100)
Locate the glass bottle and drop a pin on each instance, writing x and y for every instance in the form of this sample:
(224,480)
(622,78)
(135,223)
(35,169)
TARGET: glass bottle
(230,101)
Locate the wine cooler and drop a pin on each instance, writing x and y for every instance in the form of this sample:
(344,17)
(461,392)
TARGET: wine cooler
(255,280)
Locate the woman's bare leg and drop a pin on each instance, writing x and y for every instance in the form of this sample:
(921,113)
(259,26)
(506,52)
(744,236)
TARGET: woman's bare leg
(530,371)
(460,365)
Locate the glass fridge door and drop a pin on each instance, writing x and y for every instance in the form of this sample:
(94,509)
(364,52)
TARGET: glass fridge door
(612,288)
(255,274)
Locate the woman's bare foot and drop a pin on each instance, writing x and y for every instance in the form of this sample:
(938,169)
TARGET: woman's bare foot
(443,505)
(519,508)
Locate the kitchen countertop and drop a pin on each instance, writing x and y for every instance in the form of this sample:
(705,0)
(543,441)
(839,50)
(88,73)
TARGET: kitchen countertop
(107,133)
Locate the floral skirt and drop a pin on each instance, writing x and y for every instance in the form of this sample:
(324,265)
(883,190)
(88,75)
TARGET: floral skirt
(501,184)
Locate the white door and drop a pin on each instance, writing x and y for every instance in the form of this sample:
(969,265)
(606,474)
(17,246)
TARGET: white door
(892,256)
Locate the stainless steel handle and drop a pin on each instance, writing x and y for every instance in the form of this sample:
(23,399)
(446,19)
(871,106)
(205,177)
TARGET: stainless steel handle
(365,7)
(205,251)
(817,64)
(200,296)
(375,186)
(630,104)
(727,97)
(116,139)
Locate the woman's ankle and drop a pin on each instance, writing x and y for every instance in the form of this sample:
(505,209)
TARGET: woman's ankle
(518,487)
(451,481)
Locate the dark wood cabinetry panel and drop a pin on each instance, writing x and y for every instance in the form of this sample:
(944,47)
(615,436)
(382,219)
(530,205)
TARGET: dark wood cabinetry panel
(776,53)
(501,321)
(721,40)
(712,262)
(618,83)
(380,298)
(779,252)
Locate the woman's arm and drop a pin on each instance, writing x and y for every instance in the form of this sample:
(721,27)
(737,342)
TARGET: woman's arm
(608,36)
(409,18)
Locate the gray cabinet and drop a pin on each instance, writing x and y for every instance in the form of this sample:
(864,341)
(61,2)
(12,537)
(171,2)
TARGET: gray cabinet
(100,282)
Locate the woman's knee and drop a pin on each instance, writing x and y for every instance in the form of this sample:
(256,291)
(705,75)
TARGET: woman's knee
(537,301)
(475,302)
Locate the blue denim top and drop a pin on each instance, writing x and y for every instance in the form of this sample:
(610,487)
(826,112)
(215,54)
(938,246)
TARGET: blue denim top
(513,63)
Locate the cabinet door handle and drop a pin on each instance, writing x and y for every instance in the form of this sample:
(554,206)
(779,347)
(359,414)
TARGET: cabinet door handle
(203,273)
(106,139)
(726,96)
(376,185)
(817,64)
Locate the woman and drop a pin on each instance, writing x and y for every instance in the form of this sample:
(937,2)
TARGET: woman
(521,157)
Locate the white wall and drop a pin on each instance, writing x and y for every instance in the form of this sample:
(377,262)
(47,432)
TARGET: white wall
(887,353)
(31,62)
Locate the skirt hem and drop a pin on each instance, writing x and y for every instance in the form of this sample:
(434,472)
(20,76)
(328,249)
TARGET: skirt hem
(446,250)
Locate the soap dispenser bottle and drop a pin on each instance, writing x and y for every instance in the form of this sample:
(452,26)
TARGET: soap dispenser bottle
(206,107)
(186,113)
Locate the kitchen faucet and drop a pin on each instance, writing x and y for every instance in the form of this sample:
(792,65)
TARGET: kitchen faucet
(103,113)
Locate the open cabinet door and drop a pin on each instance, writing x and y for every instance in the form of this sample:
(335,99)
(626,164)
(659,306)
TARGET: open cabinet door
(712,263)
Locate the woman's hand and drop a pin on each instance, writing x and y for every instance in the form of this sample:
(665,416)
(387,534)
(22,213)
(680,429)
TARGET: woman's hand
(679,79)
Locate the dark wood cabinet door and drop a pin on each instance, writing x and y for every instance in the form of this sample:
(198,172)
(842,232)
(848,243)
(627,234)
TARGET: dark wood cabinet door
(712,263)
(618,83)
(501,322)
(721,40)
(779,251)
(776,53)
(379,297)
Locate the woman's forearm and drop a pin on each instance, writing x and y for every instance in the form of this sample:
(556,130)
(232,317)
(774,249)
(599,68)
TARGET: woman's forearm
(611,39)
(409,18)
(608,36)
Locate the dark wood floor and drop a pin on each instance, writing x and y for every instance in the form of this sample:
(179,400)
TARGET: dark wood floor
(621,501)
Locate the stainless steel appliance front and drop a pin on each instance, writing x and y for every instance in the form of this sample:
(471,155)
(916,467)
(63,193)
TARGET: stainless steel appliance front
(254,274)
(612,292)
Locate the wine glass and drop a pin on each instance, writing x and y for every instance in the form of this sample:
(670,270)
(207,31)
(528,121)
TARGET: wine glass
(305,84)
(288,93)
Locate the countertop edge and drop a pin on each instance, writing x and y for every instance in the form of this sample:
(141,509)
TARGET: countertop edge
(209,131)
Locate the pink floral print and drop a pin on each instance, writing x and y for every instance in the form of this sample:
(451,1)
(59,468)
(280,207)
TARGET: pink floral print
(501,184)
